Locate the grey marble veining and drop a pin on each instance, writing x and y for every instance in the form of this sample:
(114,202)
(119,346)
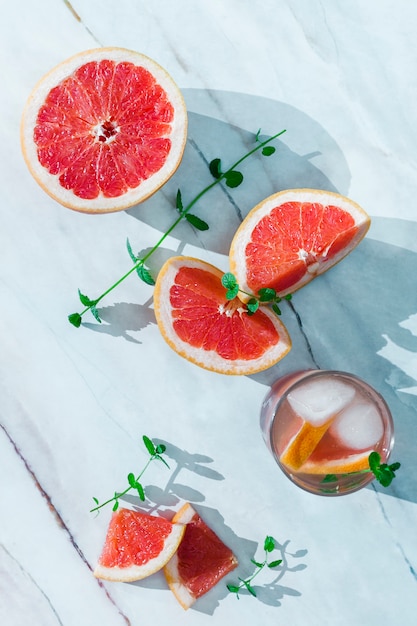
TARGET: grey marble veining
(340,78)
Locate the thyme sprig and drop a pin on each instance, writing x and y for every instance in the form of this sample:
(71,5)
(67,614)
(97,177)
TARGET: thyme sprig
(246,583)
(232,177)
(155,452)
(266,295)
(383,472)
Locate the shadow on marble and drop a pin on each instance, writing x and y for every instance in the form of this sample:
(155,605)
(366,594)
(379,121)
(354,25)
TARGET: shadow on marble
(164,501)
(357,305)
(306,156)
(270,589)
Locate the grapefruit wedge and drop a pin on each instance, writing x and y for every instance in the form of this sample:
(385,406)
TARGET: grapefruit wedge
(292,236)
(104,130)
(200,324)
(201,560)
(137,545)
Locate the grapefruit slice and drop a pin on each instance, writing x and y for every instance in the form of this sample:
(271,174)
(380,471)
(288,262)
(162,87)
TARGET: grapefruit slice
(343,465)
(201,560)
(137,545)
(292,236)
(200,324)
(104,130)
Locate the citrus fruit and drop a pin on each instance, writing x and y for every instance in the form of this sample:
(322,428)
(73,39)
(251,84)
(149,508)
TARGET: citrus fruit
(137,545)
(292,236)
(342,465)
(201,560)
(104,130)
(199,323)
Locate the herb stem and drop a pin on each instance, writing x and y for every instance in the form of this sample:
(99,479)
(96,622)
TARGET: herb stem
(76,318)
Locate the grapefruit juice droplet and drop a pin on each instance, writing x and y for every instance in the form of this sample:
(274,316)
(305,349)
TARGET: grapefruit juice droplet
(321,427)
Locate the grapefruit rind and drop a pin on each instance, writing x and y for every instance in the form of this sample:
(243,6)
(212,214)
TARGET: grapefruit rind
(351,463)
(171,570)
(210,360)
(132,573)
(302,445)
(146,188)
(243,236)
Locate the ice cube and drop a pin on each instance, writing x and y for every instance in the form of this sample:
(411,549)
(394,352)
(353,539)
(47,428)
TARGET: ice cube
(359,426)
(319,399)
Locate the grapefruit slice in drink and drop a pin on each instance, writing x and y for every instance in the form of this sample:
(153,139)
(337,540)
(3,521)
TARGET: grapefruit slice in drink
(293,236)
(137,545)
(104,130)
(202,559)
(200,324)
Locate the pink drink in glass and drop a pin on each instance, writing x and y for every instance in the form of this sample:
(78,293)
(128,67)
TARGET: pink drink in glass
(321,427)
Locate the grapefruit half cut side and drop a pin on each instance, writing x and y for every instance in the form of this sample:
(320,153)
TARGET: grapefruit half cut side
(200,324)
(104,130)
(137,545)
(202,559)
(293,236)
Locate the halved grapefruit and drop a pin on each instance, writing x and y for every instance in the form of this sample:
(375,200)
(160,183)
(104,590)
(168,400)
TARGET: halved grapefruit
(199,323)
(292,236)
(201,560)
(104,130)
(137,545)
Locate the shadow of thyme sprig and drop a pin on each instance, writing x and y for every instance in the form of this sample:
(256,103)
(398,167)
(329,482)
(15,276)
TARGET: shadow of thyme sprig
(232,177)
(246,583)
(155,452)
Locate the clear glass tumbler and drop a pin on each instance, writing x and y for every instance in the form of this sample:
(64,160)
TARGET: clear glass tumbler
(322,425)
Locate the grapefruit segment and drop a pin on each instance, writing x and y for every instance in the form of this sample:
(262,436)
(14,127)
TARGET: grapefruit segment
(344,465)
(201,560)
(137,545)
(301,446)
(104,130)
(292,236)
(200,324)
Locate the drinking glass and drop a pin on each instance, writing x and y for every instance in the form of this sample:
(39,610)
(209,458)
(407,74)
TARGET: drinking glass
(322,425)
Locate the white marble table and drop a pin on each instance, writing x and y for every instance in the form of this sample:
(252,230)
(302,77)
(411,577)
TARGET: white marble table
(341,78)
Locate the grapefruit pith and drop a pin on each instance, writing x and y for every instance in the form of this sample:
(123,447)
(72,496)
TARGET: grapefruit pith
(201,560)
(292,236)
(200,324)
(104,130)
(137,545)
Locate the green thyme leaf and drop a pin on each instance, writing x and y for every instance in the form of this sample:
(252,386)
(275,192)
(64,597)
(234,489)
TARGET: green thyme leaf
(275,563)
(149,445)
(178,202)
(276,309)
(252,306)
(141,491)
(268,150)
(229,280)
(85,300)
(115,505)
(233,178)
(130,251)
(75,319)
(214,167)
(269,544)
(267,294)
(145,275)
(95,313)
(374,461)
(196,222)
(131,480)
(329,478)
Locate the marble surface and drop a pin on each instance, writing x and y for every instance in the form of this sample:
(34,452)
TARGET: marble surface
(340,77)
